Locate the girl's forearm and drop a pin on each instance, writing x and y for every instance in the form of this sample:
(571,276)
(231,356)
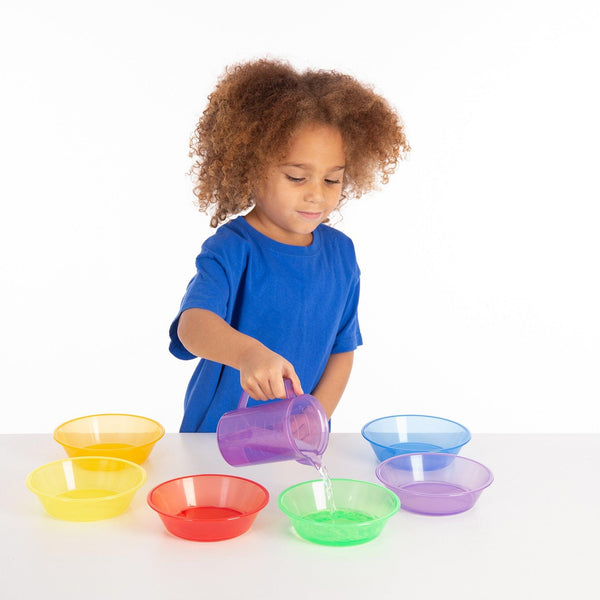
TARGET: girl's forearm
(205,334)
(333,382)
(262,371)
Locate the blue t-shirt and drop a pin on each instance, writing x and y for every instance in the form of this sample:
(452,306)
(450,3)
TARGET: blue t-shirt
(299,301)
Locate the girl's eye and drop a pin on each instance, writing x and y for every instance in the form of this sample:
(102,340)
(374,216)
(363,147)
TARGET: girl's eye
(301,179)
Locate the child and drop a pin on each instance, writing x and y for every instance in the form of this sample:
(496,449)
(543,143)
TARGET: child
(276,291)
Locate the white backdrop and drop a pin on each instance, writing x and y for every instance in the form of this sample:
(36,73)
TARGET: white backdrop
(479,260)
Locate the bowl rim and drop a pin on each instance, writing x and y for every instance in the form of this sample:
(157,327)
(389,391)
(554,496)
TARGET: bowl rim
(159,434)
(296,517)
(366,425)
(153,506)
(480,488)
(40,493)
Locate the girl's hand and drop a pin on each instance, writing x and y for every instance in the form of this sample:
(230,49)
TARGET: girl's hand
(262,372)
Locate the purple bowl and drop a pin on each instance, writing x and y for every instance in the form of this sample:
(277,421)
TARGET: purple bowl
(432,483)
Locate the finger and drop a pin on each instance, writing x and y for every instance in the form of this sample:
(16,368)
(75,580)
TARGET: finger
(264,391)
(255,390)
(278,387)
(291,375)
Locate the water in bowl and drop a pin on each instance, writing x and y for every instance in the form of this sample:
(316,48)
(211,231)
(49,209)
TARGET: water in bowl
(337,529)
(441,488)
(339,516)
(436,498)
(86,494)
(208,512)
(410,447)
(333,525)
(109,446)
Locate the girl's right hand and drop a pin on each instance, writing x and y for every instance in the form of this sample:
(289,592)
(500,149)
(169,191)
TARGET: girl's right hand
(262,372)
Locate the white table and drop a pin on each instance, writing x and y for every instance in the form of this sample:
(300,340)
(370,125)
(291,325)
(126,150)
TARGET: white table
(532,535)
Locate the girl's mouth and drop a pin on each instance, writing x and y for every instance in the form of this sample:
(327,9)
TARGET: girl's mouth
(311,216)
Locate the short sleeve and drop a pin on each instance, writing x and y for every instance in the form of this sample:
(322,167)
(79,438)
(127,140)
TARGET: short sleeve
(219,268)
(208,289)
(349,336)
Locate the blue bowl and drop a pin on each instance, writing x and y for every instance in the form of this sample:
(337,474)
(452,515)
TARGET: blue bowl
(406,434)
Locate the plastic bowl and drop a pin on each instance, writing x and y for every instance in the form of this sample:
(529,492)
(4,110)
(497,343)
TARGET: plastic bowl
(361,511)
(435,484)
(86,488)
(129,437)
(406,434)
(208,507)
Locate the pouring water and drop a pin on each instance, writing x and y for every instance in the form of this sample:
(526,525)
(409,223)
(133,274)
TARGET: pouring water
(318,464)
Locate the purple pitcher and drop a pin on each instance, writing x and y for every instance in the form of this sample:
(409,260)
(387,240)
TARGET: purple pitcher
(291,429)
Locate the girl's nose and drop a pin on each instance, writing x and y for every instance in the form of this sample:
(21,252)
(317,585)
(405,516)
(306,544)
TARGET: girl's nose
(315,192)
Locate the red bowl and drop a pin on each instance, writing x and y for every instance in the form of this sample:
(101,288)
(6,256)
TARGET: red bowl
(208,508)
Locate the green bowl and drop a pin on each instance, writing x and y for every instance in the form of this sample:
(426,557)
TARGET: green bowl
(360,512)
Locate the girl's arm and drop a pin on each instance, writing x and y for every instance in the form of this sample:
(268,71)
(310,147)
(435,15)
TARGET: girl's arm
(333,382)
(205,334)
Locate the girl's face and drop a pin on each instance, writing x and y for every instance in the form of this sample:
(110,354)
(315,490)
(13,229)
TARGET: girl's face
(299,193)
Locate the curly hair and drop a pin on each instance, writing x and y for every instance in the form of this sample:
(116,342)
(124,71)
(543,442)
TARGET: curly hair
(255,110)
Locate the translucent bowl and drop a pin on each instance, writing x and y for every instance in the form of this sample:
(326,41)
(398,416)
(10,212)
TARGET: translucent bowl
(129,437)
(86,488)
(433,483)
(405,434)
(361,510)
(208,507)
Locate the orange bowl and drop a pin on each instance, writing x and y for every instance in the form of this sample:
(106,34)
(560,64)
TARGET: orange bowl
(129,437)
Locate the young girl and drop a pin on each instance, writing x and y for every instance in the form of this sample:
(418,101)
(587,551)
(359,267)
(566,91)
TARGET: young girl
(276,291)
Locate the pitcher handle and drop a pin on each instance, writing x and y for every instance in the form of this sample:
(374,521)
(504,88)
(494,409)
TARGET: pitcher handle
(289,393)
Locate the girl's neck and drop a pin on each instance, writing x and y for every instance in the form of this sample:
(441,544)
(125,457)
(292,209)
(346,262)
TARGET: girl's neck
(273,233)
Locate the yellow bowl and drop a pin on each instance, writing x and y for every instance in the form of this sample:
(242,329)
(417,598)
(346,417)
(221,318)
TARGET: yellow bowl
(86,488)
(113,435)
